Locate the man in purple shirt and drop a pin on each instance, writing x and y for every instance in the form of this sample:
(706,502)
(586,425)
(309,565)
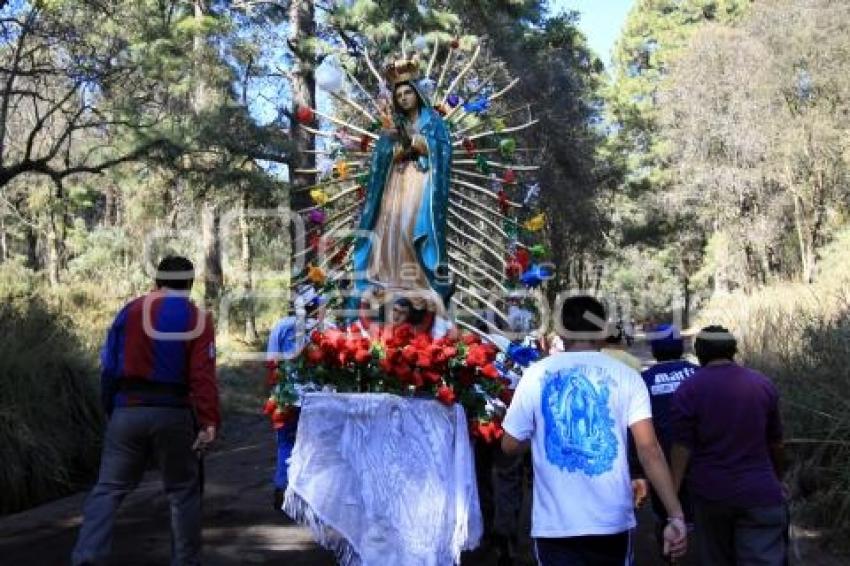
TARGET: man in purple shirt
(726,425)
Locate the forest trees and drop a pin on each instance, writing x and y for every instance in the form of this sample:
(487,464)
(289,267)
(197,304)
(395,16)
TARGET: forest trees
(63,92)
(730,122)
(755,120)
(136,93)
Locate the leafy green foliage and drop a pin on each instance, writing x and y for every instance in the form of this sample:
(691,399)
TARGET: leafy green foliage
(727,129)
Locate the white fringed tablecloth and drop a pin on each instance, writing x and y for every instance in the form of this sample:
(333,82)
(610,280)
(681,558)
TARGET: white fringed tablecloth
(384,480)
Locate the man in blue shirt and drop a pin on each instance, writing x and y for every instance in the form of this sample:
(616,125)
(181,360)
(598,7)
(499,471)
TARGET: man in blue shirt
(287,339)
(662,380)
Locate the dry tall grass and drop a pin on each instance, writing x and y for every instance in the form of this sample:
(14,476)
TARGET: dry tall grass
(800,337)
(50,420)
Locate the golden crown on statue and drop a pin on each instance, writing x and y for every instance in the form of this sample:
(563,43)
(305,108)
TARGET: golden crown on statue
(402,70)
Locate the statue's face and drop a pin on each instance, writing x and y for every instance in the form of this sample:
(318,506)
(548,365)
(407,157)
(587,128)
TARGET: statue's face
(405,98)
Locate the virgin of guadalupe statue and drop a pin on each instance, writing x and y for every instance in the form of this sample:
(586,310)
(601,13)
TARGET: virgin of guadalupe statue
(406,198)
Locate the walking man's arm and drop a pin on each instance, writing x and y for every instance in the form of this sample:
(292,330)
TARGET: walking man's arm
(109,361)
(519,421)
(513,447)
(652,459)
(203,386)
(774,436)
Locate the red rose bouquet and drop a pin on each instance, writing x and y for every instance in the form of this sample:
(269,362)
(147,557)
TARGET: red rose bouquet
(396,359)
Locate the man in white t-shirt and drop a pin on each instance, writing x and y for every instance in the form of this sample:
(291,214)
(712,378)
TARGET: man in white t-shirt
(573,410)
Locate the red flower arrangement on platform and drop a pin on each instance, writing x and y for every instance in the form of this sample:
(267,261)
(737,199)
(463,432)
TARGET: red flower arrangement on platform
(396,359)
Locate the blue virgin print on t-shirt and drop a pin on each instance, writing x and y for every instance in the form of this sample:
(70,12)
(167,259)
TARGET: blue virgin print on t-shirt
(579,430)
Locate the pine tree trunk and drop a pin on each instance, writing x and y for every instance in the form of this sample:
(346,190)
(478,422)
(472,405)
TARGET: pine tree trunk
(56,230)
(31,239)
(211,215)
(302,27)
(247,275)
(721,284)
(4,242)
(200,92)
(213,273)
(109,205)
(804,241)
(54,249)
(580,271)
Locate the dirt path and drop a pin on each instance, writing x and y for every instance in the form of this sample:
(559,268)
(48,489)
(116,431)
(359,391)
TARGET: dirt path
(240,526)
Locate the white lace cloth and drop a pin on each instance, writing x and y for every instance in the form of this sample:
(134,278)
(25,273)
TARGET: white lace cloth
(385,480)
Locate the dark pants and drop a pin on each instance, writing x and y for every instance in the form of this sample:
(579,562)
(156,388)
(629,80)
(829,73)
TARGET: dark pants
(285,444)
(133,436)
(500,488)
(596,550)
(508,475)
(740,536)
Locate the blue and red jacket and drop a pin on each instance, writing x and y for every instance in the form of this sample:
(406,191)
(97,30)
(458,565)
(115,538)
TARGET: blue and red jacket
(164,343)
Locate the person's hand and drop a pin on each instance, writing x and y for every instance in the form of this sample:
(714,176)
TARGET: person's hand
(675,538)
(640,492)
(786,491)
(205,437)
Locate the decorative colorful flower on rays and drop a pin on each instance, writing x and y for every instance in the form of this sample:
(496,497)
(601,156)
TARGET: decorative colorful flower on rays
(536,223)
(531,195)
(316,216)
(522,355)
(504,204)
(319,196)
(522,257)
(316,275)
(536,275)
(513,269)
(477,105)
(538,251)
(340,170)
(507,147)
(305,115)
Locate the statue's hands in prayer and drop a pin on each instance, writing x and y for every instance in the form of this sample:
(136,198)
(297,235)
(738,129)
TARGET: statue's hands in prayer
(419,144)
